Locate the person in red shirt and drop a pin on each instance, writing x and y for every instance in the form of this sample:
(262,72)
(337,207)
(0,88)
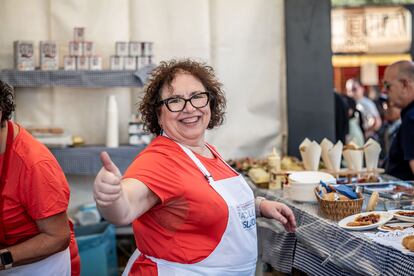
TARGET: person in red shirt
(191,213)
(35,234)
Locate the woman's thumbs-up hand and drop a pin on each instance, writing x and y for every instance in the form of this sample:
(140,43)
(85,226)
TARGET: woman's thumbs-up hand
(107,186)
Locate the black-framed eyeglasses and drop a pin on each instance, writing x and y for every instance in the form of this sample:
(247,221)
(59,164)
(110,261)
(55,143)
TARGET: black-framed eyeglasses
(177,104)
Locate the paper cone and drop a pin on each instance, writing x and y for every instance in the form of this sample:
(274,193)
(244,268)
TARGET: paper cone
(302,148)
(335,156)
(348,159)
(357,159)
(372,151)
(326,146)
(312,156)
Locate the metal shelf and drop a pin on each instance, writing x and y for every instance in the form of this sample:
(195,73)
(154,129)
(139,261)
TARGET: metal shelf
(89,79)
(86,160)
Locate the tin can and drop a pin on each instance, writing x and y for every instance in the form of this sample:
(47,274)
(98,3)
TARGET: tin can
(79,34)
(146,48)
(144,61)
(88,48)
(117,63)
(82,63)
(48,54)
(75,49)
(95,63)
(134,48)
(24,55)
(130,63)
(121,48)
(69,63)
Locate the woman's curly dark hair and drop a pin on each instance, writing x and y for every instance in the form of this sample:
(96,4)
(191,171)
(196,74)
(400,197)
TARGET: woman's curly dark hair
(6,102)
(163,75)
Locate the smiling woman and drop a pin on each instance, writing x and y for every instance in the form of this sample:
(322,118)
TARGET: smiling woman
(188,207)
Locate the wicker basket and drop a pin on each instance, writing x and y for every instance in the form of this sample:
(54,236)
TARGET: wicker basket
(339,209)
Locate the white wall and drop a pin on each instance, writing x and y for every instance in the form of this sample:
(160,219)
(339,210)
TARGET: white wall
(242,40)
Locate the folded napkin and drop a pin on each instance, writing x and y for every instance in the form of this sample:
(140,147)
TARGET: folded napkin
(372,151)
(331,154)
(326,146)
(353,156)
(311,154)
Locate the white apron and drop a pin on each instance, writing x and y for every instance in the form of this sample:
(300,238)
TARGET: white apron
(56,264)
(236,254)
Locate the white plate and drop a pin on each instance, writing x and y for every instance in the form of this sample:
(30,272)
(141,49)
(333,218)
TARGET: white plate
(395,224)
(403,218)
(384,218)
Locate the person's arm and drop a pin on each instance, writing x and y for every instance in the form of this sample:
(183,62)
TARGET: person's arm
(54,237)
(278,211)
(377,124)
(120,201)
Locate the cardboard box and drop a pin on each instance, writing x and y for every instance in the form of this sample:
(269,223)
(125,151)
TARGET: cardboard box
(24,55)
(82,63)
(95,63)
(79,34)
(117,63)
(48,54)
(121,48)
(69,63)
(130,63)
(75,49)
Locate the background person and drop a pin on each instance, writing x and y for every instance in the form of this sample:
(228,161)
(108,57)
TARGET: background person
(191,213)
(34,228)
(399,83)
(370,115)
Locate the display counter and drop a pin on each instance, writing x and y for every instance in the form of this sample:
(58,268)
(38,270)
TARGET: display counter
(321,247)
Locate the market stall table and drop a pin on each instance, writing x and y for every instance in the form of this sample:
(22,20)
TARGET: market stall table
(321,247)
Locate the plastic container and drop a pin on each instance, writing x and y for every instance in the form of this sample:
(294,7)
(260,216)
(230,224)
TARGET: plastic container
(302,184)
(97,249)
(88,214)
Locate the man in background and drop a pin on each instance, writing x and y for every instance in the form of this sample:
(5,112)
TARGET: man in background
(370,115)
(399,84)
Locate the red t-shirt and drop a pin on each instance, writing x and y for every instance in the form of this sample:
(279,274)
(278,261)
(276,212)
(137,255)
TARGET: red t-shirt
(190,220)
(36,188)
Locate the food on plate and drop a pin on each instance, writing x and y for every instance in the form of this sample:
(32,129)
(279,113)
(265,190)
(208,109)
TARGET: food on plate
(405,213)
(396,227)
(408,242)
(403,189)
(368,178)
(365,220)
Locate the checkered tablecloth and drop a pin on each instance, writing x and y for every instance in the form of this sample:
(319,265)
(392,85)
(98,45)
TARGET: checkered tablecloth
(88,79)
(321,247)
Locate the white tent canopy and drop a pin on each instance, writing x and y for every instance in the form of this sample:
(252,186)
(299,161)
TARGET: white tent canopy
(242,40)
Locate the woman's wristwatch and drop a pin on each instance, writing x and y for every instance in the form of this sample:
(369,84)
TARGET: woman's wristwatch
(257,203)
(6,259)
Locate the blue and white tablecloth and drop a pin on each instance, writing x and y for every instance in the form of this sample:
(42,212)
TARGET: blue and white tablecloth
(321,247)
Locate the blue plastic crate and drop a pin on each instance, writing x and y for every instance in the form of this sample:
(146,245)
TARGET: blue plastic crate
(97,249)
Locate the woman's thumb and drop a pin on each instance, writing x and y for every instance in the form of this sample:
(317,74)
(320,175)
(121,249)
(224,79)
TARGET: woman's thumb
(108,164)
